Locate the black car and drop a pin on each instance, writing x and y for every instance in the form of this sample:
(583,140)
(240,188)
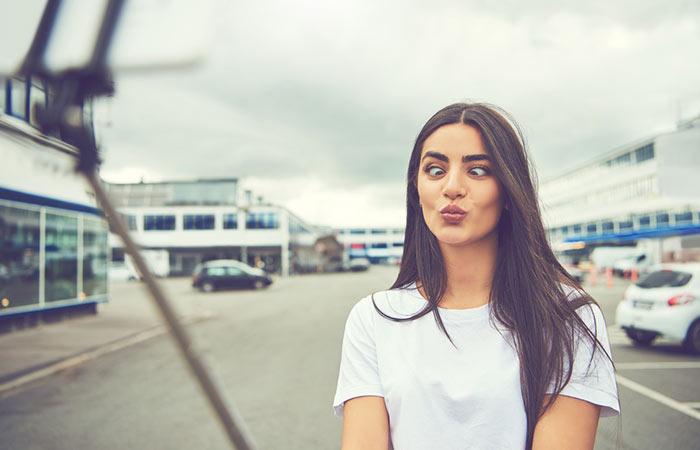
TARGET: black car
(224,274)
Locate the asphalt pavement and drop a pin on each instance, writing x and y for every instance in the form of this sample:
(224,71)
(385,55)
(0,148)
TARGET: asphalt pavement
(114,380)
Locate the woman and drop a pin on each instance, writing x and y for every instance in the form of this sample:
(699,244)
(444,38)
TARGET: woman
(483,341)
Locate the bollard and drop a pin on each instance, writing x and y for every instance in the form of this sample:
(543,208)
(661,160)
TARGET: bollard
(593,277)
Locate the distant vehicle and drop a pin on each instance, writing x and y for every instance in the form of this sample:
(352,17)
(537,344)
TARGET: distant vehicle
(227,274)
(358,264)
(640,263)
(605,257)
(157,260)
(665,302)
(118,271)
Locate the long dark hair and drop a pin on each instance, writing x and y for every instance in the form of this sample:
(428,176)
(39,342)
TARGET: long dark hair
(527,295)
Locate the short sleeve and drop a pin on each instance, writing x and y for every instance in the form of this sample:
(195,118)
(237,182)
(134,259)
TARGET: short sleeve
(359,374)
(593,379)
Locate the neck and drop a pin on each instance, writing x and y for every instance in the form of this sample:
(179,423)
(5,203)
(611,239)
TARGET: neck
(470,272)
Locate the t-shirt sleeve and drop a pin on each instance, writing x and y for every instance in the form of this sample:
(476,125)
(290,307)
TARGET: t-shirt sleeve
(359,374)
(593,380)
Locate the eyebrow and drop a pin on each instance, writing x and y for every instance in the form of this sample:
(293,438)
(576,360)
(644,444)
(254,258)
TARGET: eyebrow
(465,158)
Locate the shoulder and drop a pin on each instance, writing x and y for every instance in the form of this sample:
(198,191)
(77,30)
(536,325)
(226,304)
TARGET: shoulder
(402,302)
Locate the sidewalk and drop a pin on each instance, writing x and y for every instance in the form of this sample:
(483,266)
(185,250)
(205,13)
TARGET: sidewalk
(129,317)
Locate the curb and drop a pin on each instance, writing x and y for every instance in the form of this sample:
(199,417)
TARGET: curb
(10,382)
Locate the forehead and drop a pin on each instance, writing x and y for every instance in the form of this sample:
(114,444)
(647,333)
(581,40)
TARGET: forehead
(455,140)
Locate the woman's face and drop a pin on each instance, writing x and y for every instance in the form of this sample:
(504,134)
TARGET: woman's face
(459,195)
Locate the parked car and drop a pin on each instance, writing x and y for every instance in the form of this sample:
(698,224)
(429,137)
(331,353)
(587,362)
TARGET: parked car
(227,274)
(665,302)
(358,264)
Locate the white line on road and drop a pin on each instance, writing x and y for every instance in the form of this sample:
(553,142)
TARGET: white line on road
(694,405)
(92,354)
(671,403)
(658,365)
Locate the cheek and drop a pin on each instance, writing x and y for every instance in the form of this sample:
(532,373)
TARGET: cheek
(487,195)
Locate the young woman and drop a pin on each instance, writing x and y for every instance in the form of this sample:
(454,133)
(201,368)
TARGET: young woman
(483,341)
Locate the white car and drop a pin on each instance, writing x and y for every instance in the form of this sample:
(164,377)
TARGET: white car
(665,302)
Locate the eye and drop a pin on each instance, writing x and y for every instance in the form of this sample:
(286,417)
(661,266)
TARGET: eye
(479,171)
(434,171)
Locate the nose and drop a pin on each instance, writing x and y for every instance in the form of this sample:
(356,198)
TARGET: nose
(454,187)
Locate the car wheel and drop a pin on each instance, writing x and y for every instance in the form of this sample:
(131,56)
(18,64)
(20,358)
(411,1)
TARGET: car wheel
(258,284)
(643,338)
(208,287)
(692,339)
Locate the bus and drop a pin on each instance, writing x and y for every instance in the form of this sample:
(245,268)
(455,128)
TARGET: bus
(53,238)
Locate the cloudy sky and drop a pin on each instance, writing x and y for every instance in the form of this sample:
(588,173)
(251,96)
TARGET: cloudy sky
(315,105)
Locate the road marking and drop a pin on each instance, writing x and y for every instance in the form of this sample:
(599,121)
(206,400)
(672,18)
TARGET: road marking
(694,405)
(93,354)
(658,365)
(671,403)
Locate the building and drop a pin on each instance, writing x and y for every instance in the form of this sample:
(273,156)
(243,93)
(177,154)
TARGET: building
(201,220)
(379,245)
(648,190)
(53,239)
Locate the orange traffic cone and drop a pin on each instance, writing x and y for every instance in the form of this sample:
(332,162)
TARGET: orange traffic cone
(635,275)
(609,276)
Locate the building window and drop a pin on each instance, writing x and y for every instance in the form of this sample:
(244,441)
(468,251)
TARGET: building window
(198,222)
(398,244)
(262,221)
(377,231)
(61,261)
(37,96)
(625,225)
(378,245)
(19,256)
(577,229)
(94,257)
(18,98)
(662,220)
(592,228)
(230,221)
(357,231)
(684,218)
(130,221)
(644,222)
(158,223)
(608,227)
(644,153)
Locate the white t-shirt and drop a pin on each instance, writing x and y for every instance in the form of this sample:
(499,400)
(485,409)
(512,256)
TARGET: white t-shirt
(442,397)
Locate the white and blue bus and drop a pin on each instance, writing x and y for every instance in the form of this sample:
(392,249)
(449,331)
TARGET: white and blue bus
(53,239)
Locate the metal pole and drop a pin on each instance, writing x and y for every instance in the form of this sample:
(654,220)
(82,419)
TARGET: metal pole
(228,416)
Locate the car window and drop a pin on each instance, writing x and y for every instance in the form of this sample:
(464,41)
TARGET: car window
(216,271)
(235,271)
(664,278)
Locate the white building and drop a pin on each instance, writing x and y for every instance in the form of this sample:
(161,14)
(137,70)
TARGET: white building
(379,245)
(202,220)
(649,189)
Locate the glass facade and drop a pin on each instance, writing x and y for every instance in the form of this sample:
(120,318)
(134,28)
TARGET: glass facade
(20,236)
(74,263)
(260,221)
(198,221)
(61,246)
(95,257)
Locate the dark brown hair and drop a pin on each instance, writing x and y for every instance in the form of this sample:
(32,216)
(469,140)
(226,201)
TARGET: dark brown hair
(528,291)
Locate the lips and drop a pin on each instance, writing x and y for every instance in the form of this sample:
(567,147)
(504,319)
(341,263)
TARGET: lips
(453,213)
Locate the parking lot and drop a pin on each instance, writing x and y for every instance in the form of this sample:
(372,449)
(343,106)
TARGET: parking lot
(277,351)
